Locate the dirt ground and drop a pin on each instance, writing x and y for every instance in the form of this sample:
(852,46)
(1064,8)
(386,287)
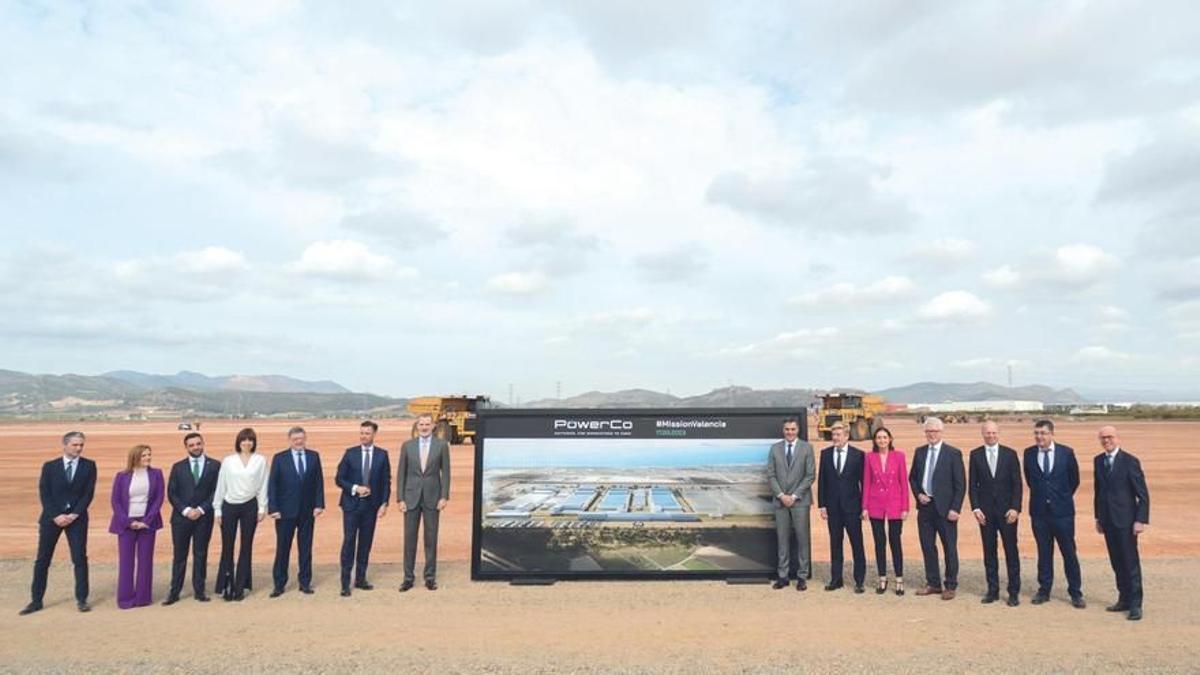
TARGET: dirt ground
(592,627)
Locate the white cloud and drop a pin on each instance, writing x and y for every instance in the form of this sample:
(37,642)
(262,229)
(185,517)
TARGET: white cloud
(1113,313)
(955,306)
(517,283)
(213,260)
(799,343)
(946,251)
(1099,354)
(988,363)
(348,260)
(848,295)
(1082,265)
(1004,276)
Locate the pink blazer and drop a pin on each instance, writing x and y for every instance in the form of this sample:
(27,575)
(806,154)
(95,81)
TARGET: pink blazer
(885,493)
(120,502)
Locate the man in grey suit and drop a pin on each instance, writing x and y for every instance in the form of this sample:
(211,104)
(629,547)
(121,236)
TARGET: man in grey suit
(790,472)
(423,491)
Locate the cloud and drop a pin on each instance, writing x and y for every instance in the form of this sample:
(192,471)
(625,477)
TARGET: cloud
(396,226)
(1004,276)
(346,260)
(955,306)
(1068,268)
(989,363)
(518,283)
(680,264)
(831,196)
(1098,355)
(799,343)
(849,296)
(946,251)
(554,245)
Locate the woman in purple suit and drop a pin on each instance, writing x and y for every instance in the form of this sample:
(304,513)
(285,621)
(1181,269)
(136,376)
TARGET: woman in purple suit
(137,498)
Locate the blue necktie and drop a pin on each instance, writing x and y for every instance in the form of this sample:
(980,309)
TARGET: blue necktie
(1046,462)
(299,463)
(1108,459)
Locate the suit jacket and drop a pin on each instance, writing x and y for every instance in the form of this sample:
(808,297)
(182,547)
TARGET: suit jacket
(1052,495)
(349,474)
(949,478)
(58,496)
(885,491)
(841,492)
(288,494)
(121,521)
(418,488)
(1121,496)
(996,495)
(796,479)
(185,492)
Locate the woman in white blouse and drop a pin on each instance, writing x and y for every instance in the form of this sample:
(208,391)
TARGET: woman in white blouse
(137,498)
(240,500)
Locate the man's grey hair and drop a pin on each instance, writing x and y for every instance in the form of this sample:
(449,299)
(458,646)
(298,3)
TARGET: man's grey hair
(72,435)
(934,423)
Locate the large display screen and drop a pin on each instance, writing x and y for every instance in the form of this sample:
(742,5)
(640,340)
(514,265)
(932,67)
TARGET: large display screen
(613,493)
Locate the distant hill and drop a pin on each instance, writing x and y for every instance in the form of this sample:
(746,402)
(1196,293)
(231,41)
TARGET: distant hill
(186,379)
(938,392)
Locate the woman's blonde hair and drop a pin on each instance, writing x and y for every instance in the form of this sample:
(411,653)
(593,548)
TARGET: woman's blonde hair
(135,457)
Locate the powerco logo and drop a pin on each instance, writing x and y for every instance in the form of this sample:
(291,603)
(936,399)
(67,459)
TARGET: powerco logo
(593,425)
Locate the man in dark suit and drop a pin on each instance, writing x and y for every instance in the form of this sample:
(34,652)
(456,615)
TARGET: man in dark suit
(190,490)
(1053,476)
(65,488)
(423,490)
(295,497)
(839,501)
(996,489)
(365,478)
(1122,504)
(939,483)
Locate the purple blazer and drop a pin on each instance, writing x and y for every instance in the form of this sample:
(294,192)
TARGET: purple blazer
(120,502)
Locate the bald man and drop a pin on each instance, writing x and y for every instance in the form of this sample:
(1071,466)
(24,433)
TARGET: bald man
(996,490)
(939,483)
(1122,507)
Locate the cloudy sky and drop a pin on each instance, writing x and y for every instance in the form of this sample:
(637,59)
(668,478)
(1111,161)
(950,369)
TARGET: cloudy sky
(443,197)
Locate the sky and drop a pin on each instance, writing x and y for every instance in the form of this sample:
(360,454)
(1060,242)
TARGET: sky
(416,198)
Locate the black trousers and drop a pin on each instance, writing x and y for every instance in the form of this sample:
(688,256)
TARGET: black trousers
(358,533)
(1123,555)
(234,517)
(300,529)
(190,535)
(48,534)
(883,540)
(412,523)
(995,526)
(849,525)
(930,528)
(1047,530)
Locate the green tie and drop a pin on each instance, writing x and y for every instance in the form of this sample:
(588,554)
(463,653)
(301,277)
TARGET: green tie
(196,470)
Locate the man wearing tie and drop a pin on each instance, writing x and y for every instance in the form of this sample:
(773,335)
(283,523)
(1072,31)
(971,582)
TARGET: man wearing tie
(839,501)
(295,497)
(65,488)
(1053,476)
(1122,504)
(365,478)
(423,490)
(190,490)
(996,503)
(790,473)
(939,483)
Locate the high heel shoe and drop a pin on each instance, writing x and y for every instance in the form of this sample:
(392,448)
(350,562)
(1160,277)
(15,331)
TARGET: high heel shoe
(899,587)
(882,588)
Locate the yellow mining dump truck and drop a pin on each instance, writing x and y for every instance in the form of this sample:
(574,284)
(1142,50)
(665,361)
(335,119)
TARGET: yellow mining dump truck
(453,416)
(862,413)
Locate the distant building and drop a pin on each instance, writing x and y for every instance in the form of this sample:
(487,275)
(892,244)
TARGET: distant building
(979,406)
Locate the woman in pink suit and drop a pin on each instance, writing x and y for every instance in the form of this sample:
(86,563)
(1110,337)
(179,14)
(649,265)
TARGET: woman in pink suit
(885,500)
(137,498)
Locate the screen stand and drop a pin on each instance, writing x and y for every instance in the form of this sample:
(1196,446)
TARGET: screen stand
(741,581)
(533,581)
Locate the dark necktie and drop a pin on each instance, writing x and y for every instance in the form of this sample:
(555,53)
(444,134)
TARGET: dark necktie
(1108,461)
(71,471)
(837,461)
(366,472)
(300,463)
(789,454)
(1046,462)
(196,469)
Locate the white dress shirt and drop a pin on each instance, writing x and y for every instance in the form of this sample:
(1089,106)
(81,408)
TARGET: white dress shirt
(238,483)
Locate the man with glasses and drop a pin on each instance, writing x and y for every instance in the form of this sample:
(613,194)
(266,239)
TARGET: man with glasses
(938,481)
(1052,474)
(1122,506)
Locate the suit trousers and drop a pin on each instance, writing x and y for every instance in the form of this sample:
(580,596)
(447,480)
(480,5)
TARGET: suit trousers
(234,517)
(1123,555)
(48,534)
(300,529)
(1061,529)
(930,528)
(194,536)
(995,525)
(849,525)
(789,521)
(883,540)
(358,533)
(135,567)
(413,518)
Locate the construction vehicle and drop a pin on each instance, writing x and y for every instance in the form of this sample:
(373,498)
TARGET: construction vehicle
(861,412)
(453,416)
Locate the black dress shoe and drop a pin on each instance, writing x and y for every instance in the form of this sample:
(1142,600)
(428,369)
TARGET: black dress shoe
(833,585)
(406,586)
(1013,600)
(1040,598)
(239,596)
(275,593)
(307,590)
(345,592)
(1117,607)
(364,586)
(858,588)
(779,583)
(989,598)
(431,585)
(171,599)
(1135,614)
(1078,603)
(801,584)
(227,596)
(83,606)
(31,608)
(201,597)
